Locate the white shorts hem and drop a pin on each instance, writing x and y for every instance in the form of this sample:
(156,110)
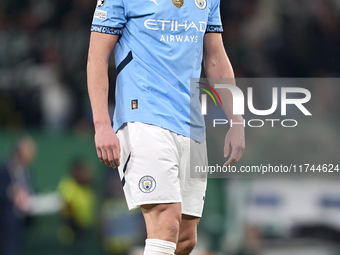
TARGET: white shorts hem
(136,205)
(199,215)
(192,214)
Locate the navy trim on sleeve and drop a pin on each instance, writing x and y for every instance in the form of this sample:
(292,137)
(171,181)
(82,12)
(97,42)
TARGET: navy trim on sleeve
(107,30)
(214,29)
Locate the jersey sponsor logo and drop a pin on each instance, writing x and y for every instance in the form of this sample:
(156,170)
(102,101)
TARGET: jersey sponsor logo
(178,3)
(147,184)
(179,38)
(100,3)
(100,14)
(201,4)
(174,25)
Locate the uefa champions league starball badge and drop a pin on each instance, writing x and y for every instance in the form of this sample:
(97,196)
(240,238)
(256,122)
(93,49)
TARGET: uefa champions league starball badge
(147,184)
(100,3)
(201,4)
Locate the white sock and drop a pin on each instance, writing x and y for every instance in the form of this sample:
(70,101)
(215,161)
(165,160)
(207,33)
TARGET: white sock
(159,247)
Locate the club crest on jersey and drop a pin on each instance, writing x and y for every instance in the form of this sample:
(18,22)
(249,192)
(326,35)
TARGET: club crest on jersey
(201,4)
(178,3)
(147,184)
(100,3)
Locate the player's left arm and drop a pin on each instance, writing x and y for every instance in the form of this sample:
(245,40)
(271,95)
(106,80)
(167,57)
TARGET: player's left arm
(217,65)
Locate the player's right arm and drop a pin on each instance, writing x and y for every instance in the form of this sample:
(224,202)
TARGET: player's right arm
(107,143)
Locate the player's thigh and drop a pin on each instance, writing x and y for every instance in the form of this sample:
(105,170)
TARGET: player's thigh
(162,220)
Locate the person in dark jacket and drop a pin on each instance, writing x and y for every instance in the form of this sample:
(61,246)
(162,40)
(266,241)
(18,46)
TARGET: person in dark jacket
(15,193)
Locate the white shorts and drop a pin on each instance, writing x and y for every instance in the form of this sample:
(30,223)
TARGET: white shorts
(155,168)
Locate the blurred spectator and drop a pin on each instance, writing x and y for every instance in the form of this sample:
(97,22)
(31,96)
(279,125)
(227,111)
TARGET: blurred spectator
(79,202)
(15,194)
(57,106)
(121,229)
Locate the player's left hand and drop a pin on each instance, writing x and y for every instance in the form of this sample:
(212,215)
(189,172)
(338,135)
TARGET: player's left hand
(234,142)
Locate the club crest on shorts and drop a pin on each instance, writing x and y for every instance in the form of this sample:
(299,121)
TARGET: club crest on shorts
(147,184)
(201,4)
(100,3)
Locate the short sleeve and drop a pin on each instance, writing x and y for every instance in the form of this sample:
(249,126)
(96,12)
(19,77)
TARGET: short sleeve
(109,17)
(214,22)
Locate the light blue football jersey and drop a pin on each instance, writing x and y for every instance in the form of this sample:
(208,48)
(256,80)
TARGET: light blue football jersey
(160,48)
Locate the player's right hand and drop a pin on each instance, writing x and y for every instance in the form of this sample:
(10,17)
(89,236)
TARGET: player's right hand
(107,145)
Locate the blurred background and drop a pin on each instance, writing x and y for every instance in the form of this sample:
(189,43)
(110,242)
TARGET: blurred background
(57,198)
